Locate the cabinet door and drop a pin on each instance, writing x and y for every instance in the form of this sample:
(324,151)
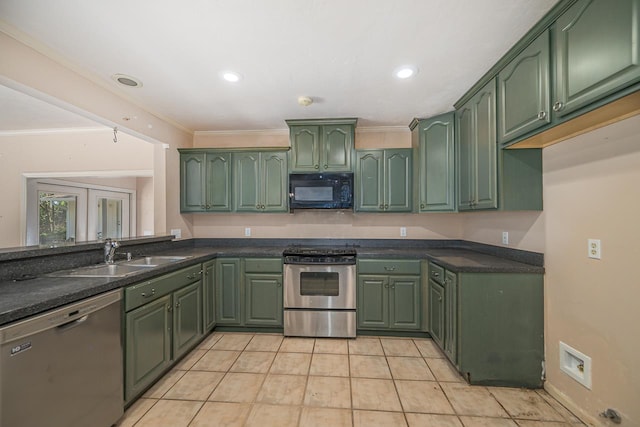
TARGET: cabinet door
(596,52)
(148,345)
(336,148)
(404,302)
(436,313)
(524,91)
(305,148)
(373,302)
(187,318)
(263,299)
(273,175)
(486,191)
(451,314)
(465,149)
(398,180)
(247,182)
(218,182)
(192,182)
(208,296)
(228,291)
(436,177)
(369,181)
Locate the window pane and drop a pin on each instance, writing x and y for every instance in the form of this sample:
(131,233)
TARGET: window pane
(109,218)
(319,284)
(57,218)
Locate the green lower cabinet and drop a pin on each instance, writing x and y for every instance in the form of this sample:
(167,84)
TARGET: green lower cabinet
(389,301)
(187,318)
(263,299)
(147,346)
(436,313)
(249,292)
(208,296)
(373,302)
(162,320)
(228,291)
(492,326)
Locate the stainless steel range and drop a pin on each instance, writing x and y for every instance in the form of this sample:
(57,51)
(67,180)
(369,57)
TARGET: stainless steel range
(320,291)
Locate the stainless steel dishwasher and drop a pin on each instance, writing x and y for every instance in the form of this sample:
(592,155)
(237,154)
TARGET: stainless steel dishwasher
(64,367)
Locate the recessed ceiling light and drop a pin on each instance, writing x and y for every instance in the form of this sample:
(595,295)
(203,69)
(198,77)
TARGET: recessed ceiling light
(127,80)
(405,71)
(231,76)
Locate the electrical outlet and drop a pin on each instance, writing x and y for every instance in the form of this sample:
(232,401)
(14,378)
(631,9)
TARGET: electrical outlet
(595,250)
(403,231)
(505,237)
(247,232)
(176,232)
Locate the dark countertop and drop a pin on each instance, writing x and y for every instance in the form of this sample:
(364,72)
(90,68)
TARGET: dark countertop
(21,299)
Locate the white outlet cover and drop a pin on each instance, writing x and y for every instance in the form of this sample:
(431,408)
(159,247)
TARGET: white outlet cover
(177,232)
(247,232)
(505,237)
(403,231)
(595,248)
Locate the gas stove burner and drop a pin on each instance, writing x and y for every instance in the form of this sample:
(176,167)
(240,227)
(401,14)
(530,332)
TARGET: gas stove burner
(319,255)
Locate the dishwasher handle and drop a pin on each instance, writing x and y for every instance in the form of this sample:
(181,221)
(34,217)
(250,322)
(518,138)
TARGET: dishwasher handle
(72,324)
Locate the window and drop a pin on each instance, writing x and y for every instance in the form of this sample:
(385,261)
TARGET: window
(61,212)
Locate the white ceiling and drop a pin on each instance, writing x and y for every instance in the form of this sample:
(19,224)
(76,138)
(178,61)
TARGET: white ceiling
(342,53)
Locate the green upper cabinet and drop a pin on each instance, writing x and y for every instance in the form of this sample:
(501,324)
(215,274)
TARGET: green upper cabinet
(597,52)
(260,181)
(205,181)
(383,180)
(524,91)
(324,145)
(433,142)
(476,148)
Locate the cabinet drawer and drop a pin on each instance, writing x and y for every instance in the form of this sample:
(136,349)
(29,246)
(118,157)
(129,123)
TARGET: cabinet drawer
(263,265)
(389,266)
(436,273)
(150,290)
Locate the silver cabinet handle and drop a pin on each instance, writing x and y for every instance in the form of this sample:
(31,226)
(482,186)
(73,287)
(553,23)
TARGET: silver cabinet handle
(434,274)
(145,295)
(386,206)
(439,298)
(278,284)
(326,166)
(542,115)
(178,304)
(558,106)
(390,268)
(421,205)
(208,206)
(316,166)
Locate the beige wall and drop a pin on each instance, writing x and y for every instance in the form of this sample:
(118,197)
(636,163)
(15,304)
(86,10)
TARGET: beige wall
(591,190)
(31,69)
(82,155)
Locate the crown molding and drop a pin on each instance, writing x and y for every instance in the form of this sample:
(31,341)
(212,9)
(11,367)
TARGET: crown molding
(242,132)
(54,131)
(381,129)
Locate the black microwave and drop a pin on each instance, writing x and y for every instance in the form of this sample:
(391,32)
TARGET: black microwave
(321,190)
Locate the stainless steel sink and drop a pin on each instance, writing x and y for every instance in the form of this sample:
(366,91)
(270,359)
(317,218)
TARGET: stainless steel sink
(120,269)
(154,261)
(104,270)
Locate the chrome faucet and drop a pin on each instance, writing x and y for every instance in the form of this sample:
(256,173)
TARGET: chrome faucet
(110,247)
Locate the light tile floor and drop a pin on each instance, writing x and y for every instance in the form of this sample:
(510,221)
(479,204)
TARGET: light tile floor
(250,379)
